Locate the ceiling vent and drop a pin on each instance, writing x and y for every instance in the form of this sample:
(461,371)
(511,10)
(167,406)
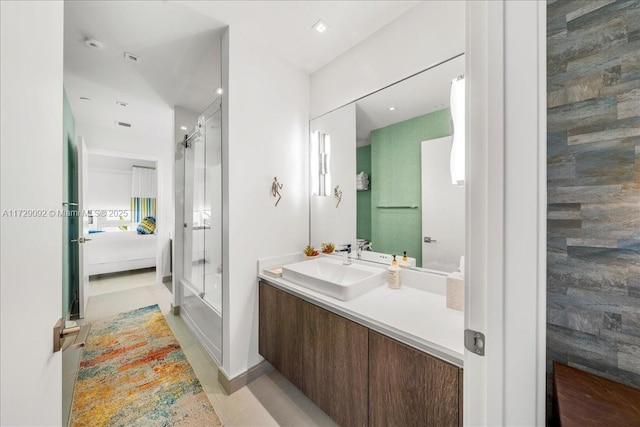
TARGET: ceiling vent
(123,124)
(133,58)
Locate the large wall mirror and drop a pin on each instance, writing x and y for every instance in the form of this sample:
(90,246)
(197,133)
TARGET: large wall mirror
(388,168)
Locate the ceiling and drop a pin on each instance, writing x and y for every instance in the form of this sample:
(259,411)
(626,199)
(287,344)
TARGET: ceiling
(422,94)
(178,43)
(285,27)
(179,53)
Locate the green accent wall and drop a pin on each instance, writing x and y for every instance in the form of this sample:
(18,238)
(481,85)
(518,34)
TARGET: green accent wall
(396,182)
(70,256)
(363,198)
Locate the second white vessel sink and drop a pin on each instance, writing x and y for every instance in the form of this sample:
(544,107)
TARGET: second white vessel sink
(330,277)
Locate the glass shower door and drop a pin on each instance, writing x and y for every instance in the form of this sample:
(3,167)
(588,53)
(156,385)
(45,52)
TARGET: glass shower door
(203,191)
(202,232)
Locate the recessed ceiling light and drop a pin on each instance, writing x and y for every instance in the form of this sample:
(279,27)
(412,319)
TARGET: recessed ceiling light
(183,127)
(320,26)
(122,103)
(93,43)
(85,99)
(392,108)
(219,91)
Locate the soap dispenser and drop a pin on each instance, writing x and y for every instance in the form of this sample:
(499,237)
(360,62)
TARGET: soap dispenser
(405,261)
(393,275)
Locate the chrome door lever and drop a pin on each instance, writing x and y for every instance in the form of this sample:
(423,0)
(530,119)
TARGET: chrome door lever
(60,333)
(80,240)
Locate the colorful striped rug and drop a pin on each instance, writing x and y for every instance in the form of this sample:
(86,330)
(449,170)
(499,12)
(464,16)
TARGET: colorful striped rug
(134,373)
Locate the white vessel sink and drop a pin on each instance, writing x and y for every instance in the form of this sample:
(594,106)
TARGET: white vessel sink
(330,277)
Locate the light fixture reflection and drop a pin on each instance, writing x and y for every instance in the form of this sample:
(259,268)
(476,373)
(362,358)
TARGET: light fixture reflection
(320,164)
(458,118)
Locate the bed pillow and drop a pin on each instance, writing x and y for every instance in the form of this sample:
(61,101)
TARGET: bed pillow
(147,225)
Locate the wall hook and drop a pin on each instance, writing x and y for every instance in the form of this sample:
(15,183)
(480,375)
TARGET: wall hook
(275,189)
(337,193)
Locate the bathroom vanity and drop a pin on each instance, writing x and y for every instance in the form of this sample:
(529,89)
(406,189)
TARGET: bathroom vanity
(370,360)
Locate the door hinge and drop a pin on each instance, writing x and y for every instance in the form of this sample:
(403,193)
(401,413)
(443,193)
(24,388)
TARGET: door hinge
(474,341)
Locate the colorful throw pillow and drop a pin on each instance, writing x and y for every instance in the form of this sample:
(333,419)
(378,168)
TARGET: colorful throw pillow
(147,225)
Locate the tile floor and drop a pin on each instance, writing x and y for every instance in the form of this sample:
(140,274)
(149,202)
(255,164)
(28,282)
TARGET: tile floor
(109,283)
(271,400)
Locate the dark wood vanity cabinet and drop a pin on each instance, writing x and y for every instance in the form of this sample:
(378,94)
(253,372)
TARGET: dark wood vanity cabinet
(359,377)
(408,387)
(280,331)
(335,360)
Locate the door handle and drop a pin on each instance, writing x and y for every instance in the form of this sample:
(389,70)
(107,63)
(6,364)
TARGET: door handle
(80,240)
(429,240)
(60,333)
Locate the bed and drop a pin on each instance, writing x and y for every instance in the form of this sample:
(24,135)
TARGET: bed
(119,250)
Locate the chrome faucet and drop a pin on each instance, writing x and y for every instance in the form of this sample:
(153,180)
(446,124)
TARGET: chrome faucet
(362,247)
(346,248)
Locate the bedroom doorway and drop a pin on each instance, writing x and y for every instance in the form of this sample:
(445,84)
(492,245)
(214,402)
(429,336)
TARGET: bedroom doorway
(120,200)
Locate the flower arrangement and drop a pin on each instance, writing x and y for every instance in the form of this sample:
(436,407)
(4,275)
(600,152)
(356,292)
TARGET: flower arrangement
(310,251)
(328,248)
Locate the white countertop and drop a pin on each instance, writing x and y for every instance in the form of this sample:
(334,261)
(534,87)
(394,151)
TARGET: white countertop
(416,314)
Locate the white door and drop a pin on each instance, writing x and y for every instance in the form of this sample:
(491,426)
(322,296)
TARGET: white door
(83,271)
(442,206)
(31,34)
(506,204)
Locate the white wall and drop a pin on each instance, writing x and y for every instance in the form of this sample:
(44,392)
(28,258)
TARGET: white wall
(426,35)
(331,223)
(266,137)
(31,40)
(108,189)
(121,142)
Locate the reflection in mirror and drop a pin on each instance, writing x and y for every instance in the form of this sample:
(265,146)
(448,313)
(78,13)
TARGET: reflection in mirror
(320,163)
(397,142)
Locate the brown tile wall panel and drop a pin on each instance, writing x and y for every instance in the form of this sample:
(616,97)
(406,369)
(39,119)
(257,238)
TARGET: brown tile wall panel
(593,187)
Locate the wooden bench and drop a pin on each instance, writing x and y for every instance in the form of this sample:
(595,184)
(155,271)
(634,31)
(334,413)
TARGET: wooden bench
(583,399)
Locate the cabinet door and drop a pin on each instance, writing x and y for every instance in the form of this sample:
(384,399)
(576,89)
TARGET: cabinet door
(335,365)
(280,331)
(408,387)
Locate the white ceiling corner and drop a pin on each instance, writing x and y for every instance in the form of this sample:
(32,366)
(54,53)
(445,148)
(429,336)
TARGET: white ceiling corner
(179,46)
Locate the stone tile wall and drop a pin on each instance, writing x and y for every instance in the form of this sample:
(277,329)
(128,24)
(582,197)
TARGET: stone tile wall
(593,168)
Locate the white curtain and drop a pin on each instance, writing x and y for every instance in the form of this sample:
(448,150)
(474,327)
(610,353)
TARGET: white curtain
(144,183)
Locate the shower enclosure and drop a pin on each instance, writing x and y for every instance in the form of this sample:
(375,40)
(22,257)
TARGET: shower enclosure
(199,197)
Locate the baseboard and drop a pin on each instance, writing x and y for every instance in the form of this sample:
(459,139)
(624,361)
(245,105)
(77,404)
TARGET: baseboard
(235,384)
(167,279)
